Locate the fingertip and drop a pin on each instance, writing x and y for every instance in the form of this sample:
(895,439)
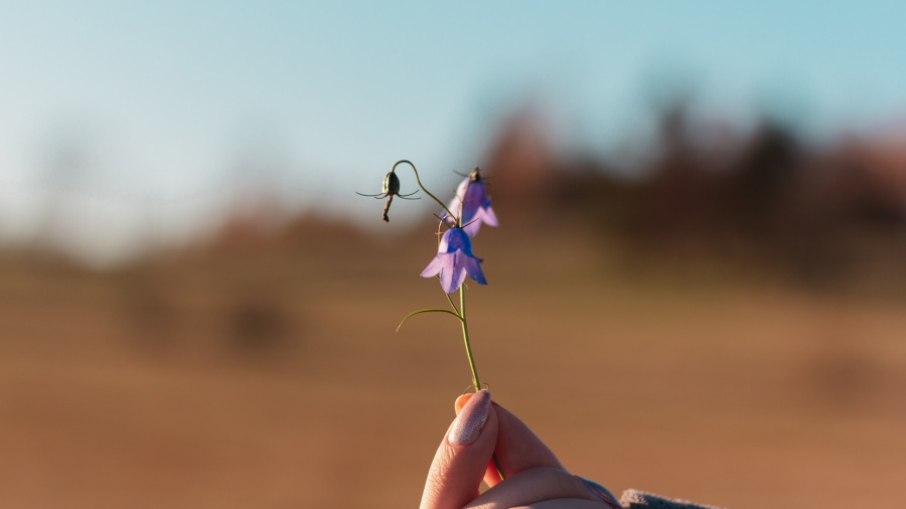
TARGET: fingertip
(468,424)
(461,402)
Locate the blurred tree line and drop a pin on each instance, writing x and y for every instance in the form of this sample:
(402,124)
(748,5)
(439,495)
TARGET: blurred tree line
(824,215)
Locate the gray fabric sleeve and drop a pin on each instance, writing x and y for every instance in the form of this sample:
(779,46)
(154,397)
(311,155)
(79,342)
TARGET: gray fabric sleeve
(634,499)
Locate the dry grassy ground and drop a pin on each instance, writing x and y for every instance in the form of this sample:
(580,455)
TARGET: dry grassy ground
(268,375)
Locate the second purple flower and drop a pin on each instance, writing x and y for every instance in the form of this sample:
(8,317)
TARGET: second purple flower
(472,204)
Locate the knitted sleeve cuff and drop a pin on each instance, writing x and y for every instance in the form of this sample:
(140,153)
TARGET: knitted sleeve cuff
(634,499)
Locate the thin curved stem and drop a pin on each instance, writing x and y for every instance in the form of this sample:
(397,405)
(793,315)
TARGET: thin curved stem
(423,311)
(423,188)
(476,383)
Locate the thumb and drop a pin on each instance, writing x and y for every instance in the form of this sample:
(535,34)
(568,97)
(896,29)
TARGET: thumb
(460,462)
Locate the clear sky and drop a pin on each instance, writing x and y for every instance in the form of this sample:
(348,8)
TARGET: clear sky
(162,104)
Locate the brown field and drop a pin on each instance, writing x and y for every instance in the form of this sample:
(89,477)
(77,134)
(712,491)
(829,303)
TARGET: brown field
(266,373)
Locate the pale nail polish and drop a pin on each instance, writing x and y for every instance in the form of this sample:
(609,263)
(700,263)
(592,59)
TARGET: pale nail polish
(471,419)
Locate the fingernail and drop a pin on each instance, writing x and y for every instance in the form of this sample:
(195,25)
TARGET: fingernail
(471,419)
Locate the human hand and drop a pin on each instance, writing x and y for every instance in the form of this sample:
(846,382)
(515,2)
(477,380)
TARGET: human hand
(534,477)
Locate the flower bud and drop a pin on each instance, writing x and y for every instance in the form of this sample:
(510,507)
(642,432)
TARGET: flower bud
(391,185)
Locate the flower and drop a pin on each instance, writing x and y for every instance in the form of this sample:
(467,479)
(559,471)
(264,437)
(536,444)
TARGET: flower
(454,260)
(472,204)
(390,187)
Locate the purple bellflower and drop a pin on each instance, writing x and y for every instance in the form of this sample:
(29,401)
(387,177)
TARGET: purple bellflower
(472,204)
(454,260)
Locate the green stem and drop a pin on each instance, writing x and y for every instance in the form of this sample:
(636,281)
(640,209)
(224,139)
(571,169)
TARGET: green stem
(419,180)
(476,383)
(423,311)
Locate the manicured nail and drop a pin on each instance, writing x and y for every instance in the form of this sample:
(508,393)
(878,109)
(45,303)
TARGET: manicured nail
(471,419)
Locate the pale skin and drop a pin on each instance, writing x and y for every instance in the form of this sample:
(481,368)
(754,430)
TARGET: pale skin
(534,477)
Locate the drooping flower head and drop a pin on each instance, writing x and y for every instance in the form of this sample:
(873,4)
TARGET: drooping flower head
(472,205)
(390,187)
(454,260)
(391,184)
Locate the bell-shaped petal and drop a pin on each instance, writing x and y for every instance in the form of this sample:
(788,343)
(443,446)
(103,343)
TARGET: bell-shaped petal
(454,260)
(472,204)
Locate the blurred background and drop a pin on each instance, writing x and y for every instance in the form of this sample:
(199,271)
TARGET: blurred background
(697,287)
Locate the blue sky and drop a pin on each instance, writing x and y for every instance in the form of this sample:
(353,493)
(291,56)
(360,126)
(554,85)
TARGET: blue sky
(166,102)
